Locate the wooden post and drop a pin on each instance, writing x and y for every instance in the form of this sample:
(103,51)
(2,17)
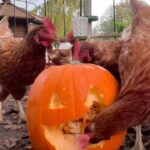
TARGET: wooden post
(45,7)
(27,21)
(64,15)
(14,18)
(88,13)
(114,15)
(80,7)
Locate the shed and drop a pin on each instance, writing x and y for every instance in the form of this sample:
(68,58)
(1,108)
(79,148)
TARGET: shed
(20,21)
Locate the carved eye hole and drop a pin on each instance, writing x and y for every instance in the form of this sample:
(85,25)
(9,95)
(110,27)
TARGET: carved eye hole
(56,102)
(94,96)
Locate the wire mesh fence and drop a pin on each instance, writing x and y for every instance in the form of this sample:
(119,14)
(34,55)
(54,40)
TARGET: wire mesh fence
(61,16)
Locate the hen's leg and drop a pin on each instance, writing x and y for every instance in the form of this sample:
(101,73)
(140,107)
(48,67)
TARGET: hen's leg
(18,93)
(3,96)
(138,140)
(22,116)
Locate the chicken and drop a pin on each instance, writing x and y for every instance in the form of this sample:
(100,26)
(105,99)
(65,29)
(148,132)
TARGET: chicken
(5,31)
(133,105)
(102,52)
(21,60)
(61,54)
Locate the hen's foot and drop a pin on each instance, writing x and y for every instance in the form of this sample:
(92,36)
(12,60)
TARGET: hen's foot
(22,115)
(138,141)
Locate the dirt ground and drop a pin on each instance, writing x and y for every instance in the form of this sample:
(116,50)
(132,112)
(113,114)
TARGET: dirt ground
(13,136)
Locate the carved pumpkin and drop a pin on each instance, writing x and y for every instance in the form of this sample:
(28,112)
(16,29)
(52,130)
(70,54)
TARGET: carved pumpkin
(63,99)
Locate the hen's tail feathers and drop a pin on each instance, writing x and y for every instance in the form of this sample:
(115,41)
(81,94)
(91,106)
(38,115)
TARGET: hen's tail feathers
(141,12)
(5,31)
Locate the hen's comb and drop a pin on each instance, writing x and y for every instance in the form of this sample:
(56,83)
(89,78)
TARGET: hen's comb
(48,23)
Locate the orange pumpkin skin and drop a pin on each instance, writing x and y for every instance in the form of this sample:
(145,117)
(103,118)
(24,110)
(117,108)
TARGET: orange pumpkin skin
(61,94)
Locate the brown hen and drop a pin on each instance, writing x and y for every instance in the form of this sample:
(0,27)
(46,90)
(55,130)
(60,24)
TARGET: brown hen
(133,105)
(103,53)
(21,60)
